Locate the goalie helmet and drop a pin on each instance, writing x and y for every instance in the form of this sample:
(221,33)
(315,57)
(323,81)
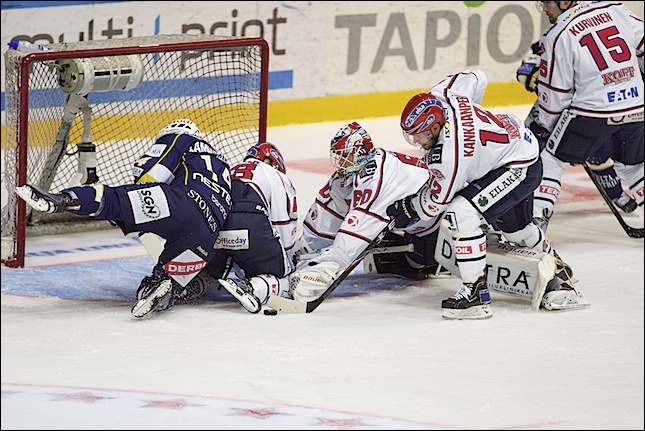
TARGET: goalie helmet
(181,127)
(419,115)
(269,154)
(351,148)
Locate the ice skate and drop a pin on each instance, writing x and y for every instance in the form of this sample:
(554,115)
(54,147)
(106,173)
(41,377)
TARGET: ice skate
(47,202)
(560,295)
(243,292)
(153,297)
(625,203)
(472,301)
(197,288)
(155,293)
(563,269)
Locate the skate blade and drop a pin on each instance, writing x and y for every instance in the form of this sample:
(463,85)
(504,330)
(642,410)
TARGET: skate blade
(473,313)
(146,305)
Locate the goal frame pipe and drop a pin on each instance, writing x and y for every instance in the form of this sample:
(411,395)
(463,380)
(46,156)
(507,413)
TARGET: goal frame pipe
(22,138)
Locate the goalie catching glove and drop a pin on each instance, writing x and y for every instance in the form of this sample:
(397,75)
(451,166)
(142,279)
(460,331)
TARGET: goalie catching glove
(527,73)
(316,275)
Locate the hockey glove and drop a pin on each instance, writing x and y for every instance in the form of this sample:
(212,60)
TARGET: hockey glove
(402,212)
(314,279)
(527,73)
(316,275)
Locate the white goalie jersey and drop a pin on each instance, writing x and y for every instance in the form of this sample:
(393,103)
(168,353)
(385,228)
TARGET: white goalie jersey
(590,63)
(351,217)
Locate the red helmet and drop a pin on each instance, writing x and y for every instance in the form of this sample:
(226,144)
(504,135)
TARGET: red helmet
(268,153)
(420,114)
(350,149)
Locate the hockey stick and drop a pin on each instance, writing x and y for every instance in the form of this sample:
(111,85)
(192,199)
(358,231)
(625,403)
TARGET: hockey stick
(376,250)
(284,305)
(631,231)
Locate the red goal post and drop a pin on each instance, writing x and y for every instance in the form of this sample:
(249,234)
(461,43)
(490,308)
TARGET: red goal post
(102,102)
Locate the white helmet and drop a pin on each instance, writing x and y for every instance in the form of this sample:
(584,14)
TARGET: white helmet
(181,127)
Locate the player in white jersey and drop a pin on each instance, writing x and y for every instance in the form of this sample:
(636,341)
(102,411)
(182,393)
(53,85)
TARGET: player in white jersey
(350,210)
(258,238)
(600,163)
(483,169)
(590,92)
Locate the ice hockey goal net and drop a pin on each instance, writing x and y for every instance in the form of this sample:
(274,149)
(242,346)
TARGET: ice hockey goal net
(109,98)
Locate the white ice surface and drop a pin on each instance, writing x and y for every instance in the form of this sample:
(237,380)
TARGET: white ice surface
(74,358)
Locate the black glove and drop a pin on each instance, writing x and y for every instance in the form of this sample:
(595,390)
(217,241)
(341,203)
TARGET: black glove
(541,133)
(402,212)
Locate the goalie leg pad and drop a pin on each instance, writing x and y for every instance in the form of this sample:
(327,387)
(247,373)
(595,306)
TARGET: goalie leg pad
(519,271)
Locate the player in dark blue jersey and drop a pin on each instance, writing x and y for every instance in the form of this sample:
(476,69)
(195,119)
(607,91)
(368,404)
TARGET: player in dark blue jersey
(181,193)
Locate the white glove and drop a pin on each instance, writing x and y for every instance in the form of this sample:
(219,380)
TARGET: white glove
(316,275)
(314,280)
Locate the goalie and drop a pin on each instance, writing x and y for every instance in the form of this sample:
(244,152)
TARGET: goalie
(350,211)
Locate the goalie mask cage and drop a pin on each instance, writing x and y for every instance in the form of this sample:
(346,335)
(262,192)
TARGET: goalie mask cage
(113,96)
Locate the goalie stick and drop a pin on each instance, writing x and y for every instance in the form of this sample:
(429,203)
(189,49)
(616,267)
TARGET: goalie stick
(375,250)
(631,231)
(291,306)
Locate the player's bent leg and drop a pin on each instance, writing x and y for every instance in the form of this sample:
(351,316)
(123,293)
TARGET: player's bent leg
(532,275)
(466,241)
(547,192)
(533,238)
(602,167)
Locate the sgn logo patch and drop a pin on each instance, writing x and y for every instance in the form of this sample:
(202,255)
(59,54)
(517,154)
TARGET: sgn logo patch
(148,204)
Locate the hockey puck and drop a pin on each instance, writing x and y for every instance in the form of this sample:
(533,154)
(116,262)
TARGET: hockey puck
(270,312)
